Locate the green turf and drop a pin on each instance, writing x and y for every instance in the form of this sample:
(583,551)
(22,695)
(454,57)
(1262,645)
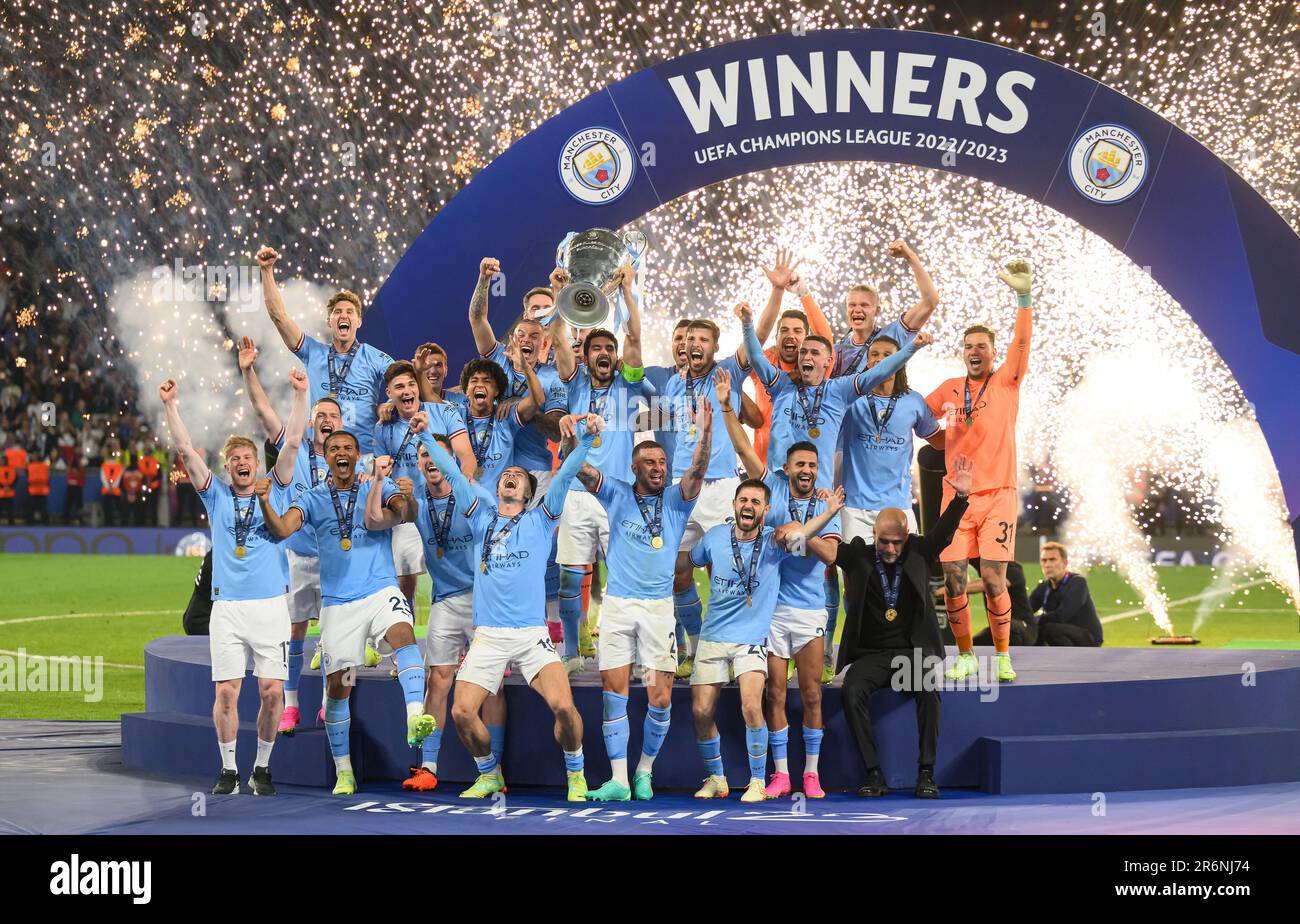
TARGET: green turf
(119,602)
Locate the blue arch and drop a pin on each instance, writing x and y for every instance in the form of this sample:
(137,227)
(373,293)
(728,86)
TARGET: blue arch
(1210,240)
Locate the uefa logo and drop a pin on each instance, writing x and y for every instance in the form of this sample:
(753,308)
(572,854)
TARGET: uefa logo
(1108,163)
(596,165)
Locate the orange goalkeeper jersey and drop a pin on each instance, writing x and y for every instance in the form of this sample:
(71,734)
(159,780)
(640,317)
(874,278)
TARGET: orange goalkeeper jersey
(989,439)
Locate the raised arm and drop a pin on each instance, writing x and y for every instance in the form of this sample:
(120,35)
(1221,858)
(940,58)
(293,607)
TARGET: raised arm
(1018,275)
(753,349)
(583,429)
(484,338)
(289,330)
(194,464)
(281,527)
(868,379)
(461,488)
(287,460)
(750,415)
(916,316)
(938,538)
(779,274)
(754,466)
(266,415)
(379,515)
(589,477)
(632,339)
(531,404)
(693,478)
(792,533)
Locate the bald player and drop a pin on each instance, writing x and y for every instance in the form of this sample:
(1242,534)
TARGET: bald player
(980,410)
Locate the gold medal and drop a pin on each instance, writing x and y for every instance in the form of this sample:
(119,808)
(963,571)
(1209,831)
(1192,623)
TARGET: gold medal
(240,551)
(691,432)
(877,437)
(749,601)
(345,544)
(814,432)
(657,541)
(891,614)
(440,551)
(483,567)
(478,473)
(595,444)
(332,395)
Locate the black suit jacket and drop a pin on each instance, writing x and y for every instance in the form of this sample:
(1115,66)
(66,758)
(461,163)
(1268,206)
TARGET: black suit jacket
(858,561)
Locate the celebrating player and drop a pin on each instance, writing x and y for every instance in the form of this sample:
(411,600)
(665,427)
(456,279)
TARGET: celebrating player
(250,577)
(300,548)
(358,587)
(510,604)
(806,405)
(745,559)
(395,438)
(980,409)
(611,386)
(431,369)
(450,554)
(638,624)
(346,370)
(799,620)
(862,308)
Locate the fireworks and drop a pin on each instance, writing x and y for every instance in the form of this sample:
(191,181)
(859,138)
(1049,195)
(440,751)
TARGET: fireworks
(140,135)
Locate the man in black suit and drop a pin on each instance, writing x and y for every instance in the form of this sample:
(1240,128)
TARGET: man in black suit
(890,622)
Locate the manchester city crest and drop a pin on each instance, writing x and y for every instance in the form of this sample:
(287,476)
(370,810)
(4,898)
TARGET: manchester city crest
(596,165)
(1108,163)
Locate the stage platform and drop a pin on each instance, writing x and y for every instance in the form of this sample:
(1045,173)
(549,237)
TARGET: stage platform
(1075,721)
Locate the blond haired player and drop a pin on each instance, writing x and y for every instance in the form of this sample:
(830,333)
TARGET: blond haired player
(981,408)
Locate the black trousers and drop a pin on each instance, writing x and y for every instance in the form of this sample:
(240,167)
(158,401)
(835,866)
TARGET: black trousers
(869,673)
(1064,634)
(1022,633)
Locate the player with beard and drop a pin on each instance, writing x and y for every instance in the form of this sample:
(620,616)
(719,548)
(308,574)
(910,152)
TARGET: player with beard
(744,559)
(509,603)
(799,620)
(431,369)
(300,548)
(358,586)
(862,309)
(250,578)
(346,370)
(980,409)
(449,553)
(791,329)
(806,405)
(611,386)
(647,520)
(396,438)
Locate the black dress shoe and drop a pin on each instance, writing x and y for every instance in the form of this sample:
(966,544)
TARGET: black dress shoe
(925,788)
(227,783)
(260,782)
(874,787)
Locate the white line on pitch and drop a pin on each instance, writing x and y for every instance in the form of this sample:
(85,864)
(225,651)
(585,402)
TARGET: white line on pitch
(78,658)
(54,616)
(1204,595)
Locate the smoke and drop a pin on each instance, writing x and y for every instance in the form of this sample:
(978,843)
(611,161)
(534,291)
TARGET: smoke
(175,322)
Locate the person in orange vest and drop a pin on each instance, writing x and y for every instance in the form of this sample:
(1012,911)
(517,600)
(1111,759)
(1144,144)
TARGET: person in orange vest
(73,496)
(110,489)
(8,475)
(16,457)
(38,490)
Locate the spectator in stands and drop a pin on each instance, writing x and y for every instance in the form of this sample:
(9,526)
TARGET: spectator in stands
(110,489)
(38,489)
(8,490)
(1068,616)
(73,496)
(133,496)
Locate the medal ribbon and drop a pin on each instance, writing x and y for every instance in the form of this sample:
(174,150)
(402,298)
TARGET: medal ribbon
(807,514)
(441,530)
(479,443)
(750,579)
(890,590)
(336,380)
(656,523)
(311,458)
(243,519)
(490,541)
(881,421)
(345,523)
(810,416)
(966,388)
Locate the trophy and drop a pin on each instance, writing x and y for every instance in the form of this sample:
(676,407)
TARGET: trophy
(592,258)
